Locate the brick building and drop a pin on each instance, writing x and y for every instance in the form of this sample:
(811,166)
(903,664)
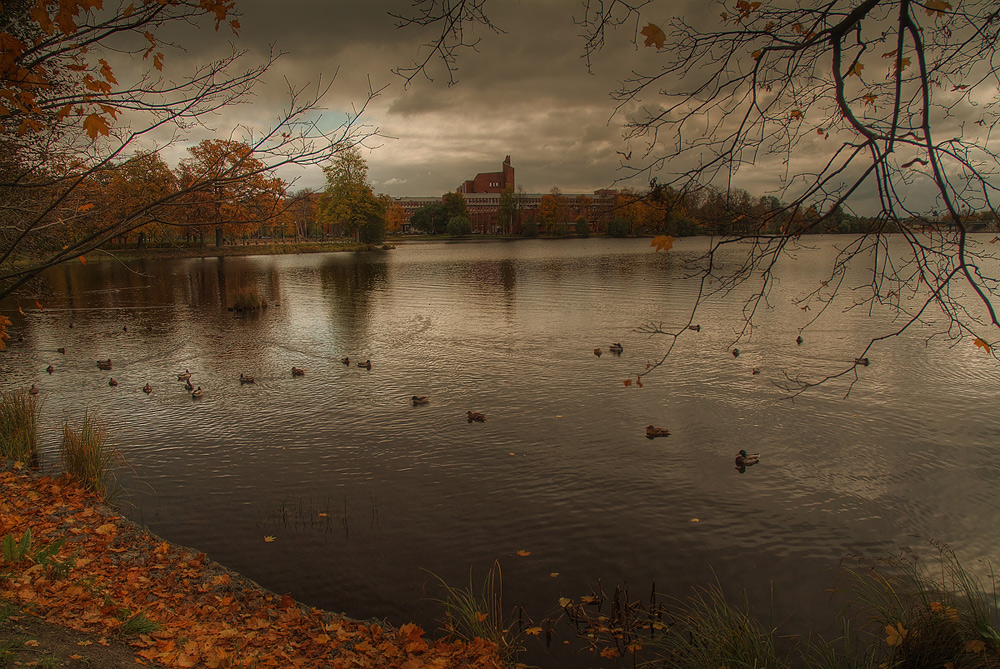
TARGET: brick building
(482,195)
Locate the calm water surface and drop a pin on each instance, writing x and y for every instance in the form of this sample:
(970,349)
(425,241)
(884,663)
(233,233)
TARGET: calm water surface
(561,468)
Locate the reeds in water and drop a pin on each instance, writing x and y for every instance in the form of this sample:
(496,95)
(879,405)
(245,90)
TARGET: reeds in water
(247,299)
(87,456)
(18,426)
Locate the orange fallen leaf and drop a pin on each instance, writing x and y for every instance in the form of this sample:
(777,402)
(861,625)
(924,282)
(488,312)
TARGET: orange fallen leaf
(268,538)
(524,553)
(533,631)
(975,646)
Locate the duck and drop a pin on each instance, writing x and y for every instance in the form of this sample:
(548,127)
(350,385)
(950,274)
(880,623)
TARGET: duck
(475,416)
(112,382)
(296,371)
(50,369)
(745,460)
(616,348)
(195,394)
(420,399)
(147,388)
(104,364)
(652,432)
(33,390)
(861,361)
(696,328)
(597,352)
(367,364)
(188,385)
(799,340)
(346,361)
(185,376)
(61,349)
(245,379)
(736,352)
(755,371)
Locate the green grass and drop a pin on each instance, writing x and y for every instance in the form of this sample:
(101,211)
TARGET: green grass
(87,457)
(18,426)
(469,614)
(136,624)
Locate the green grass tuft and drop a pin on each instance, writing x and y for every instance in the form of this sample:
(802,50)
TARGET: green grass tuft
(469,615)
(18,426)
(87,456)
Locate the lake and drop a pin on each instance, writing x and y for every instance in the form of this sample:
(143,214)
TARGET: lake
(370,498)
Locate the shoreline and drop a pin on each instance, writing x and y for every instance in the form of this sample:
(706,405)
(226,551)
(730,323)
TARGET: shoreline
(112,573)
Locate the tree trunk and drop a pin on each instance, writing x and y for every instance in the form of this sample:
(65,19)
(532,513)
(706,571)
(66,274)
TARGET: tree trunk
(219,240)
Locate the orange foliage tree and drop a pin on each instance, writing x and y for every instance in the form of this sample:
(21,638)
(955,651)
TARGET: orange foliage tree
(69,119)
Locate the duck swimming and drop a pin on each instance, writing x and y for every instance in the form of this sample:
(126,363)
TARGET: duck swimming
(104,364)
(616,348)
(33,390)
(188,385)
(185,376)
(346,361)
(50,369)
(597,352)
(246,379)
(652,432)
(367,364)
(112,382)
(745,460)
(420,399)
(195,394)
(296,371)
(147,388)
(476,416)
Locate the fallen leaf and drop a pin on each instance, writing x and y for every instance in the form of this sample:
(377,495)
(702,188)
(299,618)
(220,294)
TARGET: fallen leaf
(533,631)
(565,601)
(895,635)
(524,553)
(32,642)
(269,538)
(554,574)
(975,646)
(695,520)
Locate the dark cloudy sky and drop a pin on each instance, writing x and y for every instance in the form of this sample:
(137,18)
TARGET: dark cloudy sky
(527,93)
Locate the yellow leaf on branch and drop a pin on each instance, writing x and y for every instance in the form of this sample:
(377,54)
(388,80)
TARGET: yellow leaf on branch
(936,7)
(981,344)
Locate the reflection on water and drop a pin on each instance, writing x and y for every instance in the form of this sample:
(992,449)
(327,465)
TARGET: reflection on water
(364,491)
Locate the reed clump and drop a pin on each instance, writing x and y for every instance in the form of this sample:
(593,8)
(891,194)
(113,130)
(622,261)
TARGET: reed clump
(87,456)
(19,426)
(248,298)
(469,614)
(901,614)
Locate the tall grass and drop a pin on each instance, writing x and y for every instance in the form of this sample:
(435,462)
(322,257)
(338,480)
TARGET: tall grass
(87,456)
(18,426)
(247,298)
(469,614)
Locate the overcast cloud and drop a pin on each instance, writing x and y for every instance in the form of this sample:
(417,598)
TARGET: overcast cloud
(526,93)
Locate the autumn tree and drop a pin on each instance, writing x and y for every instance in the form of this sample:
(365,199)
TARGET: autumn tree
(553,211)
(885,101)
(85,87)
(508,210)
(349,203)
(243,195)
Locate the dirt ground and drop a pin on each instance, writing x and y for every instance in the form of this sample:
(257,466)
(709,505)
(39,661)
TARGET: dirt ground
(29,641)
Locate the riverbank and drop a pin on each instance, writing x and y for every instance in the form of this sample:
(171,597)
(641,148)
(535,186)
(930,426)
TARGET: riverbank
(132,597)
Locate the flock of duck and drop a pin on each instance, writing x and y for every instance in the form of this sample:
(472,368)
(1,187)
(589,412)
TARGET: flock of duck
(743,459)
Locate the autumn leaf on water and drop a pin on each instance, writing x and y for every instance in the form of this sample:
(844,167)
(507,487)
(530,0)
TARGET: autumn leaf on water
(662,242)
(554,574)
(981,344)
(83,260)
(654,35)
(565,601)
(895,634)
(524,553)
(39,305)
(533,631)
(322,515)
(936,7)
(268,538)
(609,652)
(628,382)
